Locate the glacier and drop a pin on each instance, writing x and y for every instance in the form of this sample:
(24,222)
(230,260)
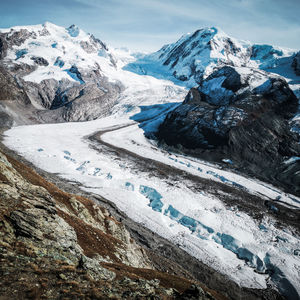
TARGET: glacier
(253,253)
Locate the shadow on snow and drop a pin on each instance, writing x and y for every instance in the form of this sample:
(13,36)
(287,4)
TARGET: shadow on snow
(151,116)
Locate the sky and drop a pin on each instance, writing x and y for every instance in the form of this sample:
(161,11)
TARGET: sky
(147,25)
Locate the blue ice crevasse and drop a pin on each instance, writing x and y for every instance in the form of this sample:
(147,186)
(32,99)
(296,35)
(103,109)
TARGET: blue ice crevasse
(153,196)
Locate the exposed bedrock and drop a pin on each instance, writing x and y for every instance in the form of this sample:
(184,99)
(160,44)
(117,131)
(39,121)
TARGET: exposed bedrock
(55,244)
(296,63)
(241,114)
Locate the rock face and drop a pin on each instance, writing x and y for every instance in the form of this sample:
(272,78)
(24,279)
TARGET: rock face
(57,67)
(52,227)
(241,114)
(296,63)
(9,88)
(10,92)
(55,244)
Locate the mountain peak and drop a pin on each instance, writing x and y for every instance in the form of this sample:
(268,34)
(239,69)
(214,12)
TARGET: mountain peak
(52,51)
(49,24)
(204,33)
(195,55)
(208,31)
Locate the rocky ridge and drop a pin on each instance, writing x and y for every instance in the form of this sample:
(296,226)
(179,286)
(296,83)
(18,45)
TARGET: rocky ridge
(242,115)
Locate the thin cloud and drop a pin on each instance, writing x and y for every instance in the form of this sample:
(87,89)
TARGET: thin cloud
(148,24)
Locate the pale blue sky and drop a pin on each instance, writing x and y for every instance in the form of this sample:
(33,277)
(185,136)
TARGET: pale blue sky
(148,25)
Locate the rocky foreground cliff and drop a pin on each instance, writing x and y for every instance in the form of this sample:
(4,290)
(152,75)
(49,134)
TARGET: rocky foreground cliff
(55,245)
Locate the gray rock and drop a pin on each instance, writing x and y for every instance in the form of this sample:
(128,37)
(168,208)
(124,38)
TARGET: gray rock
(40,61)
(242,115)
(18,37)
(3,46)
(295,63)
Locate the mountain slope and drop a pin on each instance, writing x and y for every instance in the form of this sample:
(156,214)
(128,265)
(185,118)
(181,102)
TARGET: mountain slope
(61,68)
(196,55)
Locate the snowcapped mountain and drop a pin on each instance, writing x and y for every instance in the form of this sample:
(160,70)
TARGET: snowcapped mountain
(53,51)
(56,65)
(237,108)
(68,75)
(198,54)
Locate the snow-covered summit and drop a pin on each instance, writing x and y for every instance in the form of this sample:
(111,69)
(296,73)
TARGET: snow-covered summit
(72,73)
(65,70)
(197,54)
(194,53)
(53,51)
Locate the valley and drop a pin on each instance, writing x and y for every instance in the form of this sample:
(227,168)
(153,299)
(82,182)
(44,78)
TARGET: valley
(183,200)
(231,228)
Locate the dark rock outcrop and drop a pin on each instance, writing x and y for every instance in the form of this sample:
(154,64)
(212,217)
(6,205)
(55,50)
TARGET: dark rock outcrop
(40,61)
(18,37)
(10,88)
(3,46)
(296,64)
(11,92)
(241,114)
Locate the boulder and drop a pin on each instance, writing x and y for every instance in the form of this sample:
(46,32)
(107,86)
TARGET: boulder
(40,60)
